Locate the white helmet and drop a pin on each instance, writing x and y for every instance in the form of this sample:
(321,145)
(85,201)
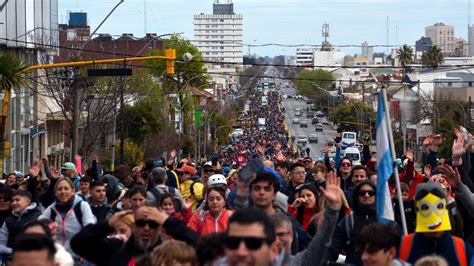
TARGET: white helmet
(216,180)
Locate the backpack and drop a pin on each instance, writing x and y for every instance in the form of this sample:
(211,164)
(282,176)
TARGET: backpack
(77,212)
(159,194)
(191,189)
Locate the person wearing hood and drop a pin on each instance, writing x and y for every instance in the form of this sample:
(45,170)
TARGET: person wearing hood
(23,212)
(112,184)
(98,201)
(348,229)
(69,211)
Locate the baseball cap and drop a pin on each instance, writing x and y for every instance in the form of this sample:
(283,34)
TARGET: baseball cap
(187,168)
(68,166)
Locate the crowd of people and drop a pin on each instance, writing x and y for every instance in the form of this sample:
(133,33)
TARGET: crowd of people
(290,210)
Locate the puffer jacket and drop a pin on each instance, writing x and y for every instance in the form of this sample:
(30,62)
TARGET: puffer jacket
(68,225)
(13,224)
(204,223)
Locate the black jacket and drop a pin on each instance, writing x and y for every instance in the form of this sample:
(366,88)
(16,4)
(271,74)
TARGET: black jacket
(93,244)
(15,223)
(348,229)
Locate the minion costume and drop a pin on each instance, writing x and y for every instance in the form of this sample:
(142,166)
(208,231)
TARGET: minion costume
(432,226)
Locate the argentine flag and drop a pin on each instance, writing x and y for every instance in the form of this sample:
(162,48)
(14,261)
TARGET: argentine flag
(384,165)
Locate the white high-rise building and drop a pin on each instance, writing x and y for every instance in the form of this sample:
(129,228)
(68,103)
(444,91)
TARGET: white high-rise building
(219,36)
(470,39)
(442,35)
(305,56)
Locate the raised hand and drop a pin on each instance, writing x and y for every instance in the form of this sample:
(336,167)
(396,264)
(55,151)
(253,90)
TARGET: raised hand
(333,191)
(452,175)
(428,140)
(35,169)
(458,148)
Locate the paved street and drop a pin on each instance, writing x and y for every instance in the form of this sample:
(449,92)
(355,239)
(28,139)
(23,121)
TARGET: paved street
(290,104)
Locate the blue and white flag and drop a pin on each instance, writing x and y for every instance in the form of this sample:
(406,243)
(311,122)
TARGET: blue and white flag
(384,165)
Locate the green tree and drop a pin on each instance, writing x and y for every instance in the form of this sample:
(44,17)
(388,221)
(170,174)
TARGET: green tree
(310,83)
(433,57)
(192,73)
(11,77)
(11,68)
(353,115)
(405,56)
(145,117)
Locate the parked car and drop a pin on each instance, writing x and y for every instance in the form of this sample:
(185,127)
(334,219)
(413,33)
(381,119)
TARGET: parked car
(325,122)
(319,127)
(309,115)
(295,121)
(314,121)
(313,138)
(319,114)
(297,109)
(303,124)
(298,113)
(309,101)
(302,140)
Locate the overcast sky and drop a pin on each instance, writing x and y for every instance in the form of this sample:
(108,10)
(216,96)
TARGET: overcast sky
(285,22)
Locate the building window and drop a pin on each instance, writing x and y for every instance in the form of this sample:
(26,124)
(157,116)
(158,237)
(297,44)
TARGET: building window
(470,83)
(450,84)
(222,20)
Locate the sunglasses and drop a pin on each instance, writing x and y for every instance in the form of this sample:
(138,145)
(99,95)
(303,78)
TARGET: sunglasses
(363,192)
(252,243)
(143,223)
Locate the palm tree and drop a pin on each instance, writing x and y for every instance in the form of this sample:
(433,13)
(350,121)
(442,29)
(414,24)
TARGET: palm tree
(11,76)
(433,57)
(405,56)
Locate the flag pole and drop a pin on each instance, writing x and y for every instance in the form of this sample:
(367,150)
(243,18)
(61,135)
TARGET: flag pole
(392,150)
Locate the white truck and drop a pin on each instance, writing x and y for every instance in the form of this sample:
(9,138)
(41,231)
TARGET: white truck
(264,100)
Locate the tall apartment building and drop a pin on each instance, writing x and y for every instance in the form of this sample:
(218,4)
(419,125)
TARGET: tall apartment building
(28,29)
(470,39)
(367,52)
(219,36)
(442,35)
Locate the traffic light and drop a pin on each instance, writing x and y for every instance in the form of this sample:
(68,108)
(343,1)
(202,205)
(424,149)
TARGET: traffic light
(170,53)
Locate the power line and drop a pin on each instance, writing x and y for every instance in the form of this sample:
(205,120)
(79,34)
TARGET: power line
(241,64)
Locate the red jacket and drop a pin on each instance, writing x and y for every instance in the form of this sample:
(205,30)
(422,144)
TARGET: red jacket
(308,214)
(204,223)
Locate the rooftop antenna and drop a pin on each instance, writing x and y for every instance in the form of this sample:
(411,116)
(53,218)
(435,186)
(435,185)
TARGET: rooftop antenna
(387,35)
(144,11)
(325,32)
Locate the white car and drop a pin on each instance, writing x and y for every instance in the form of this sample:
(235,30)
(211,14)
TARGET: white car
(302,140)
(298,113)
(295,121)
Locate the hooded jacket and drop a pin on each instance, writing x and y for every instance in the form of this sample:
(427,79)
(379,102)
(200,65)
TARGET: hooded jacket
(68,225)
(203,223)
(348,229)
(13,224)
